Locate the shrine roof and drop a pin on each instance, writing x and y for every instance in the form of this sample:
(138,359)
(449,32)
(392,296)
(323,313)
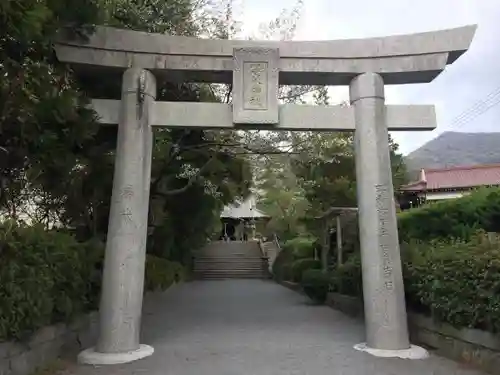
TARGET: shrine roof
(243,210)
(456,178)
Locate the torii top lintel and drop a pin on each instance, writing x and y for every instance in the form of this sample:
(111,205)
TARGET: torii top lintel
(399,59)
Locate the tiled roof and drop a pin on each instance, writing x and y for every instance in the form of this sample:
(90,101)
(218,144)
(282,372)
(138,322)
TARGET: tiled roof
(456,177)
(243,210)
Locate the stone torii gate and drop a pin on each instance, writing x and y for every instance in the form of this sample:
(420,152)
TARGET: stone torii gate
(256,69)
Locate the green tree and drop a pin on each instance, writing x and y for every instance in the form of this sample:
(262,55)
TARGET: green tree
(323,168)
(280,196)
(43,120)
(57,163)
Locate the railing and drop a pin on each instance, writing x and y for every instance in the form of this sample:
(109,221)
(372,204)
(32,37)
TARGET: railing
(276,242)
(262,248)
(275,251)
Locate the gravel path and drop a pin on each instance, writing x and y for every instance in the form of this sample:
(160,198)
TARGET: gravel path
(256,327)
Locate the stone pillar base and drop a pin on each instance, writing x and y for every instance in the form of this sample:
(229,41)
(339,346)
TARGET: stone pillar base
(91,357)
(414,352)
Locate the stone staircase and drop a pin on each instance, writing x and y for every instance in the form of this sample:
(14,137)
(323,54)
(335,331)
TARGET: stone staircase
(231,260)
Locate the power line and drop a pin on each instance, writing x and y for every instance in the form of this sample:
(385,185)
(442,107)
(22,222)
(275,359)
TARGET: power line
(470,110)
(477,109)
(478,113)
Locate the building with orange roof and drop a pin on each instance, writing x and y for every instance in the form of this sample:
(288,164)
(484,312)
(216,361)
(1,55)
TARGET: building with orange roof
(448,183)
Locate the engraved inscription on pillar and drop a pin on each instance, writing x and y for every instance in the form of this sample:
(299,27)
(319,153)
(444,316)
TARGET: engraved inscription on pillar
(255,85)
(385,240)
(127,219)
(127,192)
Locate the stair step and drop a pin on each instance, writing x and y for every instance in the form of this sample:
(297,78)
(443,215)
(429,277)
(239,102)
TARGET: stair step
(224,277)
(229,265)
(225,269)
(238,269)
(229,258)
(255,266)
(236,250)
(232,275)
(216,261)
(226,272)
(241,271)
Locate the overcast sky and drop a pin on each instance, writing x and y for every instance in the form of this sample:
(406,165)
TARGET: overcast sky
(468,81)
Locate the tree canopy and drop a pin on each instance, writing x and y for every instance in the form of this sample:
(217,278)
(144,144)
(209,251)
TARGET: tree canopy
(56,162)
(310,173)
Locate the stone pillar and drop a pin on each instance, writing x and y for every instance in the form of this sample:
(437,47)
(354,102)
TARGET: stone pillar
(339,241)
(385,311)
(325,246)
(124,264)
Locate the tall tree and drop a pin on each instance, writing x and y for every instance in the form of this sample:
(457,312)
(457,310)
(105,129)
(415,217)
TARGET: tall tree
(57,162)
(323,165)
(280,195)
(43,120)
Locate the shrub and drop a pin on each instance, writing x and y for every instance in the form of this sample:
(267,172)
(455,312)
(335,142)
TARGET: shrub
(350,235)
(452,219)
(301,247)
(162,273)
(347,279)
(283,259)
(315,284)
(48,277)
(286,273)
(301,265)
(45,277)
(456,282)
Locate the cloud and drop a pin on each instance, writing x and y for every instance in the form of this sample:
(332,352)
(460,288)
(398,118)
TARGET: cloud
(456,90)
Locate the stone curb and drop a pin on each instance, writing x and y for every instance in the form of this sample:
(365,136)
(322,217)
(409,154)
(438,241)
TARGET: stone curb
(478,348)
(46,345)
(49,343)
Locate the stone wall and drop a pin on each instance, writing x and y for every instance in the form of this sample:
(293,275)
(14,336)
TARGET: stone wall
(351,306)
(475,347)
(478,348)
(48,344)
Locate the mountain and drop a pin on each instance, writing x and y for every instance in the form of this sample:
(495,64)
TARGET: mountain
(451,149)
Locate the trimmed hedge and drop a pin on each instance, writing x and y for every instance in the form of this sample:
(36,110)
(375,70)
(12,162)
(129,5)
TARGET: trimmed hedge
(301,247)
(346,279)
(458,282)
(282,264)
(48,277)
(455,282)
(315,284)
(162,273)
(301,265)
(446,220)
(452,219)
(286,273)
(45,277)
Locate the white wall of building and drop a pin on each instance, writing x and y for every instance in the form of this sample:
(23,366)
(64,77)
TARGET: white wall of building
(441,195)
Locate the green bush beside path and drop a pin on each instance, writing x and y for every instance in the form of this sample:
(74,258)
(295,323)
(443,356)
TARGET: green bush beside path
(48,277)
